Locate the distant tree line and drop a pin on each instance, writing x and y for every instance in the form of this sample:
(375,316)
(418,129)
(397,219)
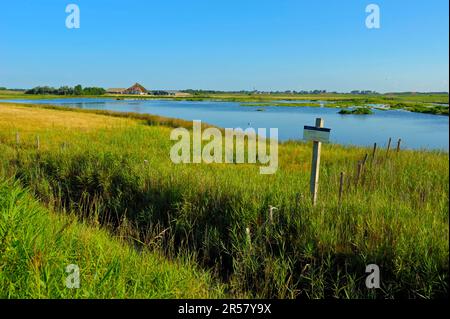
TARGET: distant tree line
(159,92)
(415,93)
(310,92)
(67,90)
(300,92)
(4,88)
(205,92)
(366,92)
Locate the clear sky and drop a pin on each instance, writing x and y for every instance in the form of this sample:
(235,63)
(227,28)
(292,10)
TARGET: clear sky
(227,44)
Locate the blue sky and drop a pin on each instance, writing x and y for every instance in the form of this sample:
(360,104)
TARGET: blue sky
(227,44)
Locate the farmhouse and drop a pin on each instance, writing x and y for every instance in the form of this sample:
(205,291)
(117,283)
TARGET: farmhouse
(136,89)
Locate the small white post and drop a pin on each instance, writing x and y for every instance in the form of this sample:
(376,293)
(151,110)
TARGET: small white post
(315,167)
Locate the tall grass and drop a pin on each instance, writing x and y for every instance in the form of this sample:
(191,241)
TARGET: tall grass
(36,247)
(394,213)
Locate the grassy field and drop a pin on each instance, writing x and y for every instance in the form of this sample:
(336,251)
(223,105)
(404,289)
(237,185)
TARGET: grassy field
(113,171)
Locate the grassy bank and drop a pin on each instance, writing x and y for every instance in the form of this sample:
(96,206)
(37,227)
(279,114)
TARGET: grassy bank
(37,245)
(111,169)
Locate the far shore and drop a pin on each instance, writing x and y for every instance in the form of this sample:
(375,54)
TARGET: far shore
(420,103)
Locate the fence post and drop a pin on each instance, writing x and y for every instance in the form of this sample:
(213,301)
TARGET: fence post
(398,144)
(388,147)
(374,151)
(341,187)
(314,182)
(365,159)
(358,174)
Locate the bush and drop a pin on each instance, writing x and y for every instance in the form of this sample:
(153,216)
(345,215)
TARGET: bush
(357,111)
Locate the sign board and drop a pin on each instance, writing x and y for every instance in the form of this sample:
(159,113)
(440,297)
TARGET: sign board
(317,134)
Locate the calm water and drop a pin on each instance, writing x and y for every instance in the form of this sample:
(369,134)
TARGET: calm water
(416,130)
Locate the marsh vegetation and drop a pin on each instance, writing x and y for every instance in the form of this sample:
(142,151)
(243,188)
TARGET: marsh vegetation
(108,177)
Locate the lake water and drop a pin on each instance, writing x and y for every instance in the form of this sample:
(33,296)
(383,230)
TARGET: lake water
(417,131)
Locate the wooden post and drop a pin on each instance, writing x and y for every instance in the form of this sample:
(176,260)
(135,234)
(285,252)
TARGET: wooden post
(358,174)
(374,151)
(314,182)
(365,159)
(341,187)
(38,143)
(389,146)
(363,169)
(398,144)
(17,138)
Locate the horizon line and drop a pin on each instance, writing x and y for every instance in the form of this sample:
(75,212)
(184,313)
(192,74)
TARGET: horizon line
(289,91)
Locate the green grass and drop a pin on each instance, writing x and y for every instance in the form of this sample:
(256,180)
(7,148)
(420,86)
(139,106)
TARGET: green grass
(37,245)
(422,108)
(394,212)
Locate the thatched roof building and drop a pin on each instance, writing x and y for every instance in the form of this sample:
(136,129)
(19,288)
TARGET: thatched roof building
(136,89)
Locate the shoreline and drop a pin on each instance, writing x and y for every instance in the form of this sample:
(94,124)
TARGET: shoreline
(386,102)
(153,119)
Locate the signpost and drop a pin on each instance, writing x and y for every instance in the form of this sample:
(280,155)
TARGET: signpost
(318,134)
